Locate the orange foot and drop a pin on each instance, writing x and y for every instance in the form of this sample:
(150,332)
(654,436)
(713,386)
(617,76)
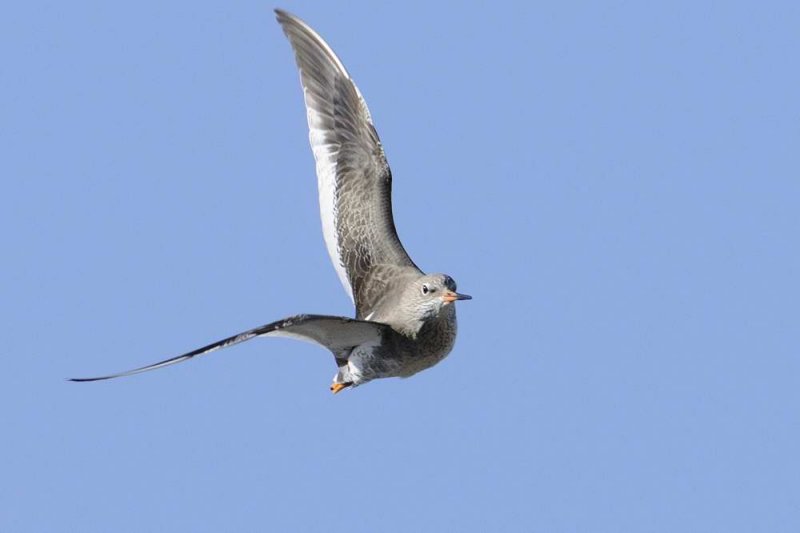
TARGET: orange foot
(338,387)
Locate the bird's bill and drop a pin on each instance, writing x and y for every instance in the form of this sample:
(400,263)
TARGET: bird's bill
(450,296)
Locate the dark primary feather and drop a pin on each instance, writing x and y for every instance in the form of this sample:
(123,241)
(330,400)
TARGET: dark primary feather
(338,334)
(364,223)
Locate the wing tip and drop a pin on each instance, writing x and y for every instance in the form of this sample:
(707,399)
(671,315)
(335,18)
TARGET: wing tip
(283,17)
(296,29)
(86,380)
(281,14)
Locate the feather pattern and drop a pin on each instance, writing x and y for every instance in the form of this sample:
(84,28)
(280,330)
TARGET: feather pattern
(354,177)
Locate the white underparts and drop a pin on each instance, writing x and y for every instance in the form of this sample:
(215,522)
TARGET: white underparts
(325,155)
(359,361)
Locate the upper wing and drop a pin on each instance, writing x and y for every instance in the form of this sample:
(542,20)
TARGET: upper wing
(338,334)
(354,178)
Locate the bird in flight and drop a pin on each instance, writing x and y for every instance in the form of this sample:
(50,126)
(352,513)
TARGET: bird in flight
(405,319)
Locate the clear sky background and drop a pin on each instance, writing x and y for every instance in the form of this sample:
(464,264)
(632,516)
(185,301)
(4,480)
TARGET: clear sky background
(616,183)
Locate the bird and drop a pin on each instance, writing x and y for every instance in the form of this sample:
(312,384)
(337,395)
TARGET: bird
(405,319)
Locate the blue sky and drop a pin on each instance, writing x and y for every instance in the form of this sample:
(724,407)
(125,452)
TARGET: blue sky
(616,184)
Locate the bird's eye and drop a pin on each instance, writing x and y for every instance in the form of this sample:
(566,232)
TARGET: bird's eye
(426,289)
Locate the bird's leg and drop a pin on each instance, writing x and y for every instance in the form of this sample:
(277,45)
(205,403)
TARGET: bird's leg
(338,387)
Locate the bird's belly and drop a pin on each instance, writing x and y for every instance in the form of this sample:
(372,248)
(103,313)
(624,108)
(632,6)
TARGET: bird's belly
(403,357)
(414,365)
(427,352)
(368,362)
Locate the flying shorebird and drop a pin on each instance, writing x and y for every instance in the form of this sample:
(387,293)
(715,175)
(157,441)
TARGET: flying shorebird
(405,319)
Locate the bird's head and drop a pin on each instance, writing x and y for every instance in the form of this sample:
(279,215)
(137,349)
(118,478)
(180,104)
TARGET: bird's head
(431,293)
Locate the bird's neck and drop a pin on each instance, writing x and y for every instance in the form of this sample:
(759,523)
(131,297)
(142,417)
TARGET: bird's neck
(435,328)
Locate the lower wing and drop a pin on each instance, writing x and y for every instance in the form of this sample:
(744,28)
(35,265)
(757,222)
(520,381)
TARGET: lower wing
(338,334)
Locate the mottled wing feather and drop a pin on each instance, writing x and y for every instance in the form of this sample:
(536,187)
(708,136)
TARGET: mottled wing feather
(338,334)
(354,178)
